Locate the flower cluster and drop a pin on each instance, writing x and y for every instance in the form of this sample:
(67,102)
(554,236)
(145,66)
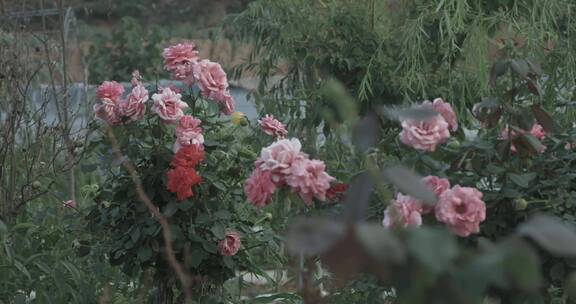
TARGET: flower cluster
(184,64)
(114,109)
(426,134)
(282,163)
(182,176)
(537,131)
(461,209)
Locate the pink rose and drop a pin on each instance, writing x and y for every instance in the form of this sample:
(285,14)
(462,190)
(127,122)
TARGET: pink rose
(225,103)
(405,211)
(110,90)
(309,179)
(279,156)
(184,73)
(445,110)
(438,186)
(536,131)
(69,204)
(424,135)
(134,105)
(179,54)
(188,132)
(259,187)
(272,126)
(108,110)
(168,105)
(230,245)
(213,84)
(461,209)
(211,78)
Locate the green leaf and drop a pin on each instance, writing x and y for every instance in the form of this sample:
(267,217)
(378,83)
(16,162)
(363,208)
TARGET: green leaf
(19,299)
(170,209)
(209,246)
(135,234)
(312,236)
(380,243)
(522,180)
(522,266)
(366,132)
(185,205)
(218,231)
(202,218)
(410,184)
(520,66)
(556,237)
(196,257)
(222,214)
(544,119)
(219,185)
(72,270)
(3,228)
(144,254)
(22,269)
(229,262)
(413,113)
(88,168)
(433,248)
(528,143)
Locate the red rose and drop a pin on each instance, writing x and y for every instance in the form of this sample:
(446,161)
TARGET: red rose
(181,180)
(336,192)
(188,156)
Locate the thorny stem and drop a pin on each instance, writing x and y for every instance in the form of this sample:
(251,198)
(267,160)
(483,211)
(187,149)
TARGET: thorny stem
(166,233)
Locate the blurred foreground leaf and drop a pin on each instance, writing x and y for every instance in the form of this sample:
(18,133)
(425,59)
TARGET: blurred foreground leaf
(550,233)
(409,183)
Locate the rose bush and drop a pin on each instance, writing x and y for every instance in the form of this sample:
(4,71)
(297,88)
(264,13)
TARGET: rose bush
(189,161)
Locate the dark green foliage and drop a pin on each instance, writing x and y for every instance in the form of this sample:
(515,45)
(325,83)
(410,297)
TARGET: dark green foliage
(130,47)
